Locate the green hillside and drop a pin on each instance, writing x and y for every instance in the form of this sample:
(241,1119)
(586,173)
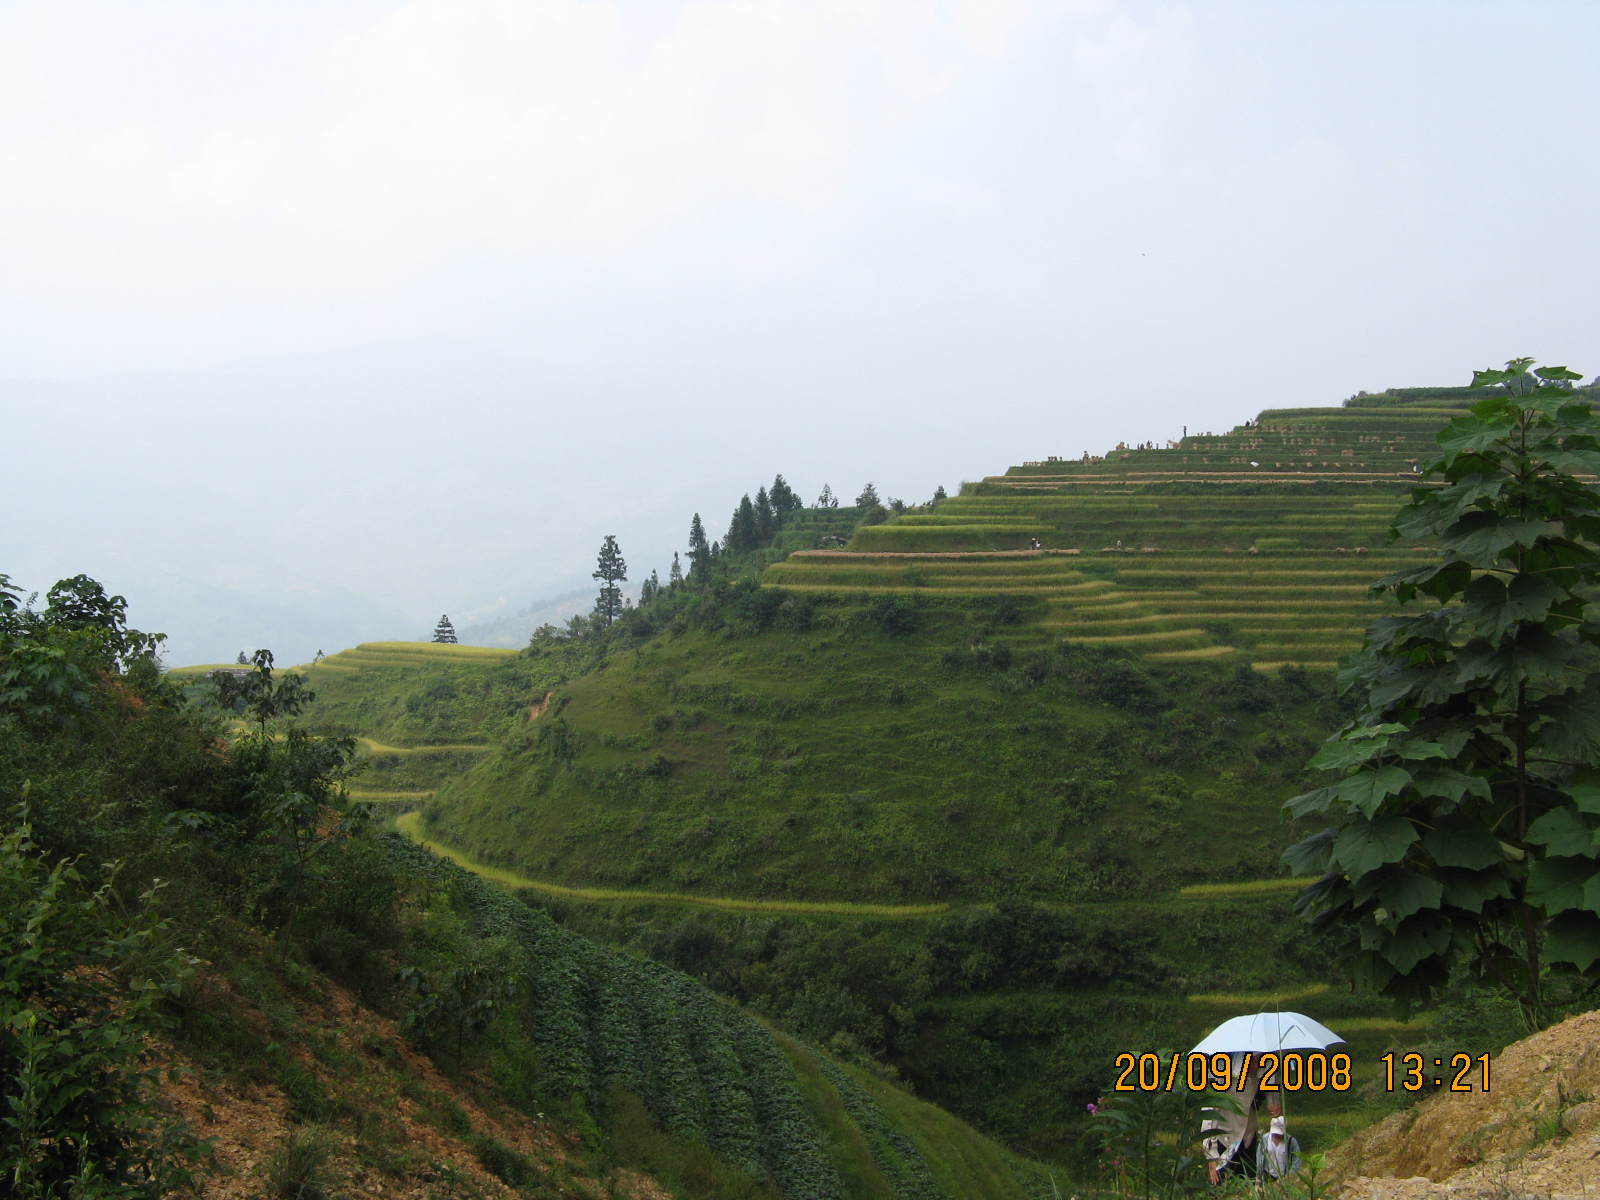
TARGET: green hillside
(971,815)
(393,1022)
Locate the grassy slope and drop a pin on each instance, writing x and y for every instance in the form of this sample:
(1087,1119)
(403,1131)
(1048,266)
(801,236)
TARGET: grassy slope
(845,764)
(838,763)
(591,1051)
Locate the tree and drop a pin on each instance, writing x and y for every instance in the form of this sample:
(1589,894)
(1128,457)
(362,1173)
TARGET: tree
(444,631)
(783,499)
(649,589)
(827,499)
(744,533)
(939,494)
(1467,806)
(260,695)
(675,575)
(699,552)
(868,497)
(610,570)
(766,518)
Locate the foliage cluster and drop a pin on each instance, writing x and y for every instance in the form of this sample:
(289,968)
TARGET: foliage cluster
(1467,804)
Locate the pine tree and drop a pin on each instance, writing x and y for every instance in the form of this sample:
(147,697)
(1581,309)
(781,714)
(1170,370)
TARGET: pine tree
(699,551)
(827,499)
(868,497)
(610,570)
(444,631)
(784,501)
(939,494)
(743,533)
(649,589)
(675,575)
(766,519)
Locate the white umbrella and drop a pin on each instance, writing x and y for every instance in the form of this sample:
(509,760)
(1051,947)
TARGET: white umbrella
(1267,1031)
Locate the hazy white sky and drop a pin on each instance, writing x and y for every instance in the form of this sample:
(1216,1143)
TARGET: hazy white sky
(353,312)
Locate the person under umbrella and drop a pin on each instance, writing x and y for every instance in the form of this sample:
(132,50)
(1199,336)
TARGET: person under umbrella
(1230,1130)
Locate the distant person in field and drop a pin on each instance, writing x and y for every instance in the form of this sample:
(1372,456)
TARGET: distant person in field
(1036,544)
(1279,1154)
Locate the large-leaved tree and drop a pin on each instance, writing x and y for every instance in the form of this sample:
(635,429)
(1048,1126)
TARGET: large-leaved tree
(1466,797)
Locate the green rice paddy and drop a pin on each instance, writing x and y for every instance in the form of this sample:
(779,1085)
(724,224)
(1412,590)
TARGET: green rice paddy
(1208,548)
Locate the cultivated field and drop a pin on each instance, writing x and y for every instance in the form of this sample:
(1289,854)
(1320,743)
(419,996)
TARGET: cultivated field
(1260,542)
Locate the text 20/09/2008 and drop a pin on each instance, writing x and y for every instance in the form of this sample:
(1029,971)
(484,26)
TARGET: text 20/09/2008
(1291,1071)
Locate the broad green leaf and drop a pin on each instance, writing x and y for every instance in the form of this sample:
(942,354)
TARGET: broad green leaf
(1310,857)
(1416,751)
(1366,791)
(1481,379)
(1316,800)
(1471,890)
(1449,784)
(1533,654)
(1564,831)
(1556,373)
(1484,536)
(1573,937)
(1365,845)
(1556,884)
(1584,788)
(1419,937)
(1571,728)
(1458,841)
(1346,751)
(1494,607)
(1415,686)
(1399,891)
(1477,432)
(1469,489)
(1328,894)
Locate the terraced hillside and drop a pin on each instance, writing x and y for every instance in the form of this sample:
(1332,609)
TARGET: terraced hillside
(993,942)
(915,801)
(1258,542)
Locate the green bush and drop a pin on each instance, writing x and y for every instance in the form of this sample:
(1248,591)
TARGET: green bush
(79,980)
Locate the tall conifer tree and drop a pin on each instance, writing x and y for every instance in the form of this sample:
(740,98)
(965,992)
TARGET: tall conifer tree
(675,575)
(444,631)
(743,533)
(699,551)
(765,518)
(610,570)
(784,501)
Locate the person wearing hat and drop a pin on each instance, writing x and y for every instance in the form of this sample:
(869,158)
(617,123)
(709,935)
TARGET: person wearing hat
(1279,1154)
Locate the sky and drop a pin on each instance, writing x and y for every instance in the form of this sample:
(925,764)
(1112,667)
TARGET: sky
(320,319)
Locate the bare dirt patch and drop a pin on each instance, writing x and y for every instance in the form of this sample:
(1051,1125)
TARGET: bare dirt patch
(1534,1133)
(387,1143)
